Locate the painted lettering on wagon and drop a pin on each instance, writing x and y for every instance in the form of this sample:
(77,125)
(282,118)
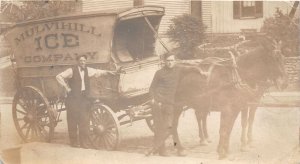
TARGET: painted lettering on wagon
(55,26)
(53,41)
(67,57)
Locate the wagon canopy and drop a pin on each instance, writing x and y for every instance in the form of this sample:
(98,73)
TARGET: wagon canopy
(58,40)
(135,33)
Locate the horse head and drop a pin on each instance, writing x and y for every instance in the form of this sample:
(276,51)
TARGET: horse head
(264,63)
(276,66)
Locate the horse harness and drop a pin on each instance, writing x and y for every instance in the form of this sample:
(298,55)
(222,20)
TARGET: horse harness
(237,81)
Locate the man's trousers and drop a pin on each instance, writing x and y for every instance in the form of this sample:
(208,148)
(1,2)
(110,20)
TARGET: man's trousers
(162,119)
(78,120)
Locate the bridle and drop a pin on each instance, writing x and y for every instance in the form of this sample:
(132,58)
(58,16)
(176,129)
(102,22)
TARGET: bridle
(259,85)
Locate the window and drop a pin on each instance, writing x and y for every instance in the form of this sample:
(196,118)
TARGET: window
(138,2)
(247,9)
(196,9)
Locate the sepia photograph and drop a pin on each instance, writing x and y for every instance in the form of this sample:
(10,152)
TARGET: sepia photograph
(149,81)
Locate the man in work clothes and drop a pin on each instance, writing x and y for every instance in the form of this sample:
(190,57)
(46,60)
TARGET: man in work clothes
(76,81)
(163,89)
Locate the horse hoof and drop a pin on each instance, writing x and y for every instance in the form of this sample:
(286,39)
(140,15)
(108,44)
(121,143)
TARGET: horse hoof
(222,156)
(251,145)
(208,140)
(203,143)
(244,149)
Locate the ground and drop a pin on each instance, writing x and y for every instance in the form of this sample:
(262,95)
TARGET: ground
(276,133)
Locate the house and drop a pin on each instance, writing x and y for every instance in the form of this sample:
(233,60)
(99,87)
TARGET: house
(220,17)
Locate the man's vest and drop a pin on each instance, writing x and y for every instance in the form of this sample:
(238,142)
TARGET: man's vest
(75,82)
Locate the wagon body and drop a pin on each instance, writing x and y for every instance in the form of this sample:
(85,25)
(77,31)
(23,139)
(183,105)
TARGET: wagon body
(111,39)
(120,40)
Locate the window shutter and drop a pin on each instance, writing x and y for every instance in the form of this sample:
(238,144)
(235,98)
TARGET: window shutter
(138,2)
(258,9)
(236,9)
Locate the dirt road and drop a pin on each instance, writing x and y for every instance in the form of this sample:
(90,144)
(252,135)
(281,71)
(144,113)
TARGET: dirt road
(275,134)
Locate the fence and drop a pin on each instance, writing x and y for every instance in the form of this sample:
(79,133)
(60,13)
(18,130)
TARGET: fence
(292,66)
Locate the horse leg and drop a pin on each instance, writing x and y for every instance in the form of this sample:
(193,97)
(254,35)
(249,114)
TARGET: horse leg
(252,112)
(177,143)
(231,120)
(244,121)
(200,127)
(228,118)
(204,122)
(222,132)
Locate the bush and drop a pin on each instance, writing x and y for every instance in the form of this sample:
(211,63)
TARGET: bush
(29,10)
(282,27)
(188,32)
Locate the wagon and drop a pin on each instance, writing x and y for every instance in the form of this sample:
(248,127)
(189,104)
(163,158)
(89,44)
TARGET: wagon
(120,40)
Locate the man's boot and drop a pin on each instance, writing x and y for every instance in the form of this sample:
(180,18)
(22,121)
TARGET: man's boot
(74,144)
(181,152)
(163,153)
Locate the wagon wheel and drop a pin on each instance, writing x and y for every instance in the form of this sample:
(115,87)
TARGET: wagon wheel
(32,115)
(149,121)
(104,128)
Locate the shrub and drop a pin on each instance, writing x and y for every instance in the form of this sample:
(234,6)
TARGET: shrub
(282,27)
(188,32)
(28,10)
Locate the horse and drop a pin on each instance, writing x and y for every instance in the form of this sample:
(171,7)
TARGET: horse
(229,89)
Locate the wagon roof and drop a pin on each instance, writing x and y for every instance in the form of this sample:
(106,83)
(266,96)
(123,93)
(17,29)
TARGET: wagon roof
(121,14)
(59,40)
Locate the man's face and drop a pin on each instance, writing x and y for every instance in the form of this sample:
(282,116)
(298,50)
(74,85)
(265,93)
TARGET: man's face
(82,62)
(170,61)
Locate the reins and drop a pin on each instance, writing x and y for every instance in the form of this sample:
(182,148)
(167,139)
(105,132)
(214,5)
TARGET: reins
(238,82)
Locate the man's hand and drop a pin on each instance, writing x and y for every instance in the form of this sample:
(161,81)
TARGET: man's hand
(201,71)
(152,101)
(206,74)
(68,89)
(120,71)
(156,103)
(112,72)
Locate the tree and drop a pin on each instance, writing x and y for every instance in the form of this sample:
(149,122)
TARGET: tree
(28,10)
(284,28)
(188,32)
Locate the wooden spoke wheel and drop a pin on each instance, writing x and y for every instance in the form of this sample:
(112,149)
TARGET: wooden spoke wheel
(104,128)
(32,115)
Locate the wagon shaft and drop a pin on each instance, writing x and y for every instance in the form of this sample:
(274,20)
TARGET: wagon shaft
(141,111)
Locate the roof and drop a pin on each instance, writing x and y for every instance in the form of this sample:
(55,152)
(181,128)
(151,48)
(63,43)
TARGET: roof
(121,13)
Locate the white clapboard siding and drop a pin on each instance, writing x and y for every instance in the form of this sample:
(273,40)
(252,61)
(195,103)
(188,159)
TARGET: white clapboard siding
(172,8)
(223,21)
(207,15)
(97,5)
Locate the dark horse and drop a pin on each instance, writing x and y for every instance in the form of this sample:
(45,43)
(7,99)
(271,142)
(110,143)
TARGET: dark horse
(229,89)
